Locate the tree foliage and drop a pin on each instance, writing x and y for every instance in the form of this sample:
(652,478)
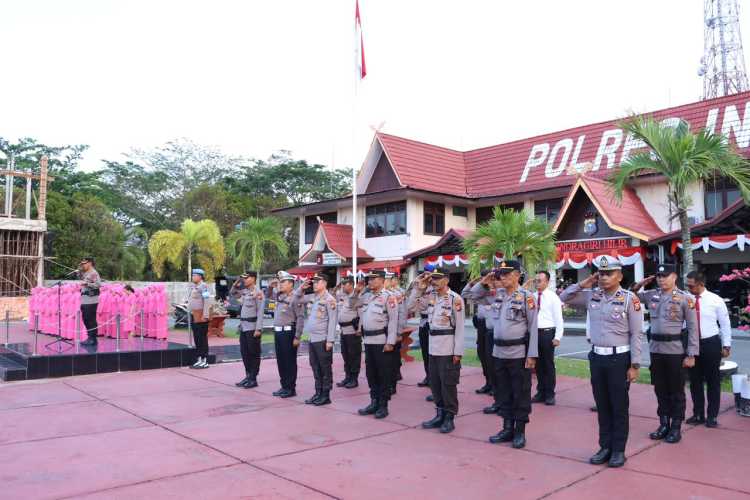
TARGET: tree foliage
(197,242)
(249,244)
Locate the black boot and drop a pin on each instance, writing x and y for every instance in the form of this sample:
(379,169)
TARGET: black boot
(314,398)
(324,399)
(90,341)
(485,389)
(353,382)
(617,459)
(436,421)
(429,398)
(382,411)
(343,382)
(491,409)
(675,433)
(519,436)
(504,435)
(538,398)
(662,431)
(251,383)
(696,420)
(448,425)
(244,381)
(369,409)
(600,456)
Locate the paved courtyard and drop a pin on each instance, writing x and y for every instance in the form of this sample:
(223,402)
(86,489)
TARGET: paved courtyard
(181,433)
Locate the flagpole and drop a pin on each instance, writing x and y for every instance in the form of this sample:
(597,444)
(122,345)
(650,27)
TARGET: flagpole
(358,76)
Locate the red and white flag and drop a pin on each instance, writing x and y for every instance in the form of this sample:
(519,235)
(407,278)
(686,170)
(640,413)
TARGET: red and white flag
(359,44)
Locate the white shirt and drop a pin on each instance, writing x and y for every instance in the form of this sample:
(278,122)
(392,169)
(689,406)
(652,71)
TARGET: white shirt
(550,312)
(714,317)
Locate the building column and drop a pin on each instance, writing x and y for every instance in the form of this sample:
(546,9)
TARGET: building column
(638,270)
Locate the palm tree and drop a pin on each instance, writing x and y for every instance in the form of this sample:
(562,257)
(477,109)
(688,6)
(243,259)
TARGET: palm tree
(199,240)
(248,244)
(684,158)
(515,235)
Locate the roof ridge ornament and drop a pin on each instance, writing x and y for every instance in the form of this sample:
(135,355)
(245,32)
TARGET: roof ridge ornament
(579,169)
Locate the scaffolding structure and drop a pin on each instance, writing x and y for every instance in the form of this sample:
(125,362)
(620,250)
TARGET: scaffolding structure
(723,63)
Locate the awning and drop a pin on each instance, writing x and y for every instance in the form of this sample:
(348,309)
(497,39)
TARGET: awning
(395,266)
(304,271)
(579,260)
(721,242)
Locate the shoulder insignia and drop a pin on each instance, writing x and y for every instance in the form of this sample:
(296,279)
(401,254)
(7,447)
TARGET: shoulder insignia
(530,302)
(458,304)
(636,303)
(691,303)
(332,304)
(392,302)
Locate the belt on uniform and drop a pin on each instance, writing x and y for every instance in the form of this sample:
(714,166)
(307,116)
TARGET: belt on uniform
(704,339)
(371,333)
(551,329)
(608,351)
(253,320)
(283,328)
(451,331)
(90,292)
(510,342)
(665,337)
(423,316)
(347,323)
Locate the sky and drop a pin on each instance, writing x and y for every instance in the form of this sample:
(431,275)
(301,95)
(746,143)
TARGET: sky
(252,77)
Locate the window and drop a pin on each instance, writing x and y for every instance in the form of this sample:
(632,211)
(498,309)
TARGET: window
(485,213)
(719,195)
(434,218)
(385,220)
(460,211)
(548,210)
(311,225)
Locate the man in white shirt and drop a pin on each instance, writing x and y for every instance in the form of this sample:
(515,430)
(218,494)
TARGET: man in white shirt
(715,343)
(550,325)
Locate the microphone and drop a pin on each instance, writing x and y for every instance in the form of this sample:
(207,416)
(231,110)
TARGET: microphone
(71,273)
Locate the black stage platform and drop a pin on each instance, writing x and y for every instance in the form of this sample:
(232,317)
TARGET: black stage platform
(18,361)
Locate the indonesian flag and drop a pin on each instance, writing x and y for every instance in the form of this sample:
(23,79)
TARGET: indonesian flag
(359,44)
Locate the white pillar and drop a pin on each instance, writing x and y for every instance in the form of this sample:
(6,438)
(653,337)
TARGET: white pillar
(638,270)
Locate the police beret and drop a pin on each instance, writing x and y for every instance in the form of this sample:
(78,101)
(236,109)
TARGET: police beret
(318,277)
(376,274)
(347,279)
(249,274)
(666,269)
(439,273)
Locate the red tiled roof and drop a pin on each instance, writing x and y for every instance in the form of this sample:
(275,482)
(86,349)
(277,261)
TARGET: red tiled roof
(339,240)
(628,216)
(452,233)
(391,265)
(497,170)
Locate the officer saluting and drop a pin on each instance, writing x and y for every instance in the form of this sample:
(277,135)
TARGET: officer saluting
(351,338)
(251,323)
(379,319)
(516,339)
(615,322)
(320,325)
(288,318)
(673,342)
(445,313)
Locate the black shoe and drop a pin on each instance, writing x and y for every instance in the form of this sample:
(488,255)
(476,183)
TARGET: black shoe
(550,401)
(382,411)
(435,421)
(352,384)
(675,431)
(485,389)
(519,435)
(423,383)
(494,408)
(429,398)
(324,399)
(369,409)
(289,393)
(617,459)
(90,341)
(538,398)
(448,424)
(343,382)
(662,431)
(279,392)
(712,423)
(601,456)
(504,435)
(244,381)
(696,420)
(593,408)
(313,398)
(250,384)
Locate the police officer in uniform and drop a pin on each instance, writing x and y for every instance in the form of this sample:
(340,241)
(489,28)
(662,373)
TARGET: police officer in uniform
(288,319)
(393,287)
(516,344)
(673,342)
(199,307)
(320,325)
(424,340)
(615,322)
(484,351)
(379,321)
(251,325)
(351,337)
(445,311)
(89,299)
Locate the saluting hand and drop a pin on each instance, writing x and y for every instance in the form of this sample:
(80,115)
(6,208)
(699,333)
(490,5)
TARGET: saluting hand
(590,281)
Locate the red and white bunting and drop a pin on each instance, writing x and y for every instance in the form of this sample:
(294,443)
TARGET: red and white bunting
(720,242)
(579,260)
(454,260)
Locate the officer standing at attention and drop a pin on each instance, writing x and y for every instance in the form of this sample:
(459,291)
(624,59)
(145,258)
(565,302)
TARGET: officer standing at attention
(89,299)
(516,339)
(673,342)
(615,322)
(251,325)
(484,351)
(199,307)
(351,337)
(320,325)
(445,310)
(379,320)
(551,326)
(393,287)
(424,339)
(288,319)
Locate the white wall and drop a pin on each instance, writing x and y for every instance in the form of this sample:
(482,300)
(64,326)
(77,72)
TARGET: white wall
(654,198)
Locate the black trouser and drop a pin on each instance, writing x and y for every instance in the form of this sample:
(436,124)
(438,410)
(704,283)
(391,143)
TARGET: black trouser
(707,371)
(424,346)
(484,359)
(668,378)
(88,314)
(250,350)
(286,358)
(351,351)
(609,382)
(379,371)
(489,344)
(545,364)
(444,377)
(513,388)
(200,335)
(395,362)
(321,362)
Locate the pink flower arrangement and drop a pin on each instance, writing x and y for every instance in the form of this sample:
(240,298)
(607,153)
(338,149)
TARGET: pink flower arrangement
(737,274)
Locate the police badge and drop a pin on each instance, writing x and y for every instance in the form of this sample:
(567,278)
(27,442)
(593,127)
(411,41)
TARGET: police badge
(589,223)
